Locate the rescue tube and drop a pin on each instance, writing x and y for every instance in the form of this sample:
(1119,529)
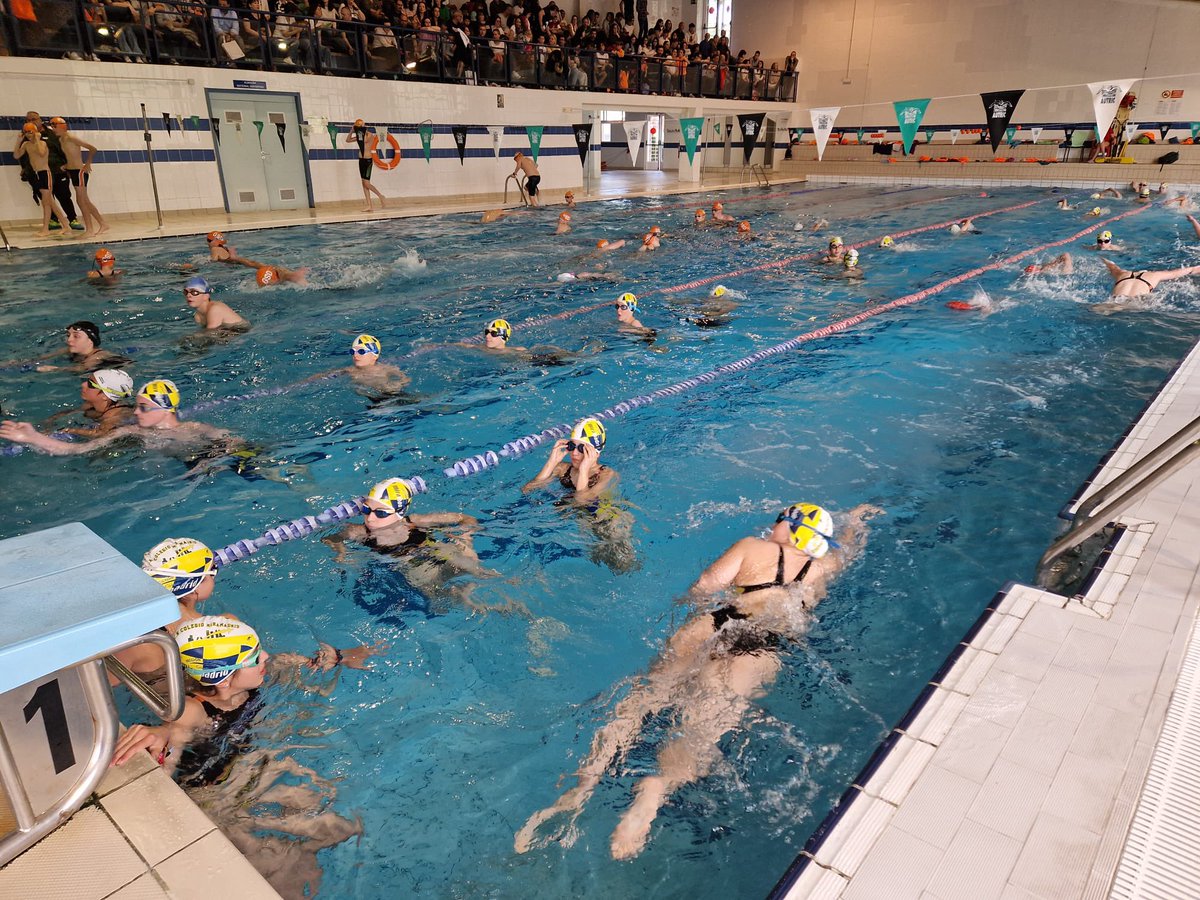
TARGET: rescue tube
(395,160)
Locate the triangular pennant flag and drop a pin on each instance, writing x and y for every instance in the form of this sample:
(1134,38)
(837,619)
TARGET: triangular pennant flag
(1195,126)
(954,133)
(822,126)
(909,114)
(381,132)
(497,133)
(1106,101)
(534,133)
(1010,134)
(1163,131)
(167,123)
(583,139)
(425,130)
(861,134)
(692,130)
(717,130)
(1067,134)
(998,108)
(929,133)
(751,127)
(633,139)
(195,120)
(179,122)
(280,128)
(333,130)
(1036,132)
(259,126)
(459,133)
(1130,130)
(216,130)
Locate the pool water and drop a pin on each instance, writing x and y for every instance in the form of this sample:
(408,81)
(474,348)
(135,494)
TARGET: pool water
(969,428)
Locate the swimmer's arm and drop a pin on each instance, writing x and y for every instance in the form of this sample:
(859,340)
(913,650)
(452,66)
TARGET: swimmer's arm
(61,414)
(587,495)
(19,150)
(1113,269)
(551,469)
(1174,273)
(24,433)
(87,153)
(446,519)
(720,575)
(338,540)
(852,538)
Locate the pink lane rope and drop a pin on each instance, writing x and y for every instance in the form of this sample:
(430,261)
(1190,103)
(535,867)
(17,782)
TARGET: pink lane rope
(490,459)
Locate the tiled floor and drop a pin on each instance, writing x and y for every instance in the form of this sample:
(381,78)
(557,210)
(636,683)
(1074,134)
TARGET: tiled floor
(1020,774)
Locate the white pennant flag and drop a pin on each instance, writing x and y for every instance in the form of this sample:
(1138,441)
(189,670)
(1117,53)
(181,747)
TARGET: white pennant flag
(1106,100)
(497,133)
(1130,129)
(954,133)
(633,136)
(822,126)
(381,133)
(1036,132)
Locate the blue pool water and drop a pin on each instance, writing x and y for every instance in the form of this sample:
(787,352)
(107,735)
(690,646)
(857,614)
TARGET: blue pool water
(970,430)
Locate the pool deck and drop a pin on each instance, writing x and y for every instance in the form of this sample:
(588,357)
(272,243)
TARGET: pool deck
(1053,754)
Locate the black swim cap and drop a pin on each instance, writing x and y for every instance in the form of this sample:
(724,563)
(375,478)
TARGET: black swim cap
(91,329)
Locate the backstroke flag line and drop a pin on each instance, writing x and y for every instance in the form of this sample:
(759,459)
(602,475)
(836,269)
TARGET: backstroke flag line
(633,137)
(750,127)
(583,140)
(822,125)
(909,114)
(692,130)
(1106,100)
(998,107)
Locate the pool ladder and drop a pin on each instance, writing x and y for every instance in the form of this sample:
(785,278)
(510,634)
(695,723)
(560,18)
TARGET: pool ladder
(520,183)
(1109,501)
(758,173)
(4,237)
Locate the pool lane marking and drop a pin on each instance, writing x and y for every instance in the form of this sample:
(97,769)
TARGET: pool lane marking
(489,459)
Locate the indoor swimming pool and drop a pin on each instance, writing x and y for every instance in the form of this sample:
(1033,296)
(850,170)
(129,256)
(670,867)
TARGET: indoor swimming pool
(970,428)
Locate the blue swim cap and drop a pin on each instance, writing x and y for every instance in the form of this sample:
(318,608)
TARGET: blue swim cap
(198,284)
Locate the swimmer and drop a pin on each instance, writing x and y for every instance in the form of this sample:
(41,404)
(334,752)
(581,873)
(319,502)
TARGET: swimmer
(850,269)
(606,246)
(219,250)
(564,222)
(102,392)
(815,227)
(495,215)
(156,426)
(32,146)
(371,378)
(743,229)
(964,226)
(429,549)
(496,336)
(83,348)
(1096,212)
(1060,265)
(1104,243)
(834,252)
(106,271)
(627,309)
(1127,283)
(700,218)
(715,309)
(1195,225)
(1107,192)
(1142,190)
(719,214)
(568,277)
(649,242)
(569,199)
(1063,204)
(265,276)
(533,177)
(1183,201)
(887,242)
(753,602)
(211,314)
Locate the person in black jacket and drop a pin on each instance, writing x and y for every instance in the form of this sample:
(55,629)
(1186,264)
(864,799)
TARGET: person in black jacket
(60,182)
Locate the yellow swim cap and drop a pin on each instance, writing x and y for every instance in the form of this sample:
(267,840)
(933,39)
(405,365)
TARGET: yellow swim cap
(367,342)
(592,431)
(835,242)
(499,328)
(720,291)
(629,300)
(162,393)
(850,260)
(395,492)
(1104,236)
(1096,210)
(811,528)
(212,648)
(179,564)
(887,241)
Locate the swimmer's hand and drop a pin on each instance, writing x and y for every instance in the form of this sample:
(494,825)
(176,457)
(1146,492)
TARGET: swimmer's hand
(47,368)
(142,737)
(19,432)
(356,657)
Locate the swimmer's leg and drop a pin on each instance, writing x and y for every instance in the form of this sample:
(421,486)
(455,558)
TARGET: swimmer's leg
(717,700)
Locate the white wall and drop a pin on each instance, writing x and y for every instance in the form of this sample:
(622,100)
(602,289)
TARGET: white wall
(890,50)
(114,91)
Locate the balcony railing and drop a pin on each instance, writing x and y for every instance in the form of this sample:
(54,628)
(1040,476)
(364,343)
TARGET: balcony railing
(243,38)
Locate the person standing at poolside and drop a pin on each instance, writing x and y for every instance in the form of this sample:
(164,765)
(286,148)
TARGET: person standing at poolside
(60,184)
(211,314)
(367,142)
(79,172)
(31,146)
(532,176)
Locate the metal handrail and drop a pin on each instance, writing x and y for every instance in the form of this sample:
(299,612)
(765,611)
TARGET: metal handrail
(4,237)
(520,183)
(757,169)
(168,708)
(1156,467)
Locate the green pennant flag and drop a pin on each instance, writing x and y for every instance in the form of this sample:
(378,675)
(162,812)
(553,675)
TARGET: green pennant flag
(929,133)
(692,130)
(333,130)
(259,126)
(909,114)
(535,139)
(195,120)
(1195,126)
(426,132)
(1010,134)
(861,132)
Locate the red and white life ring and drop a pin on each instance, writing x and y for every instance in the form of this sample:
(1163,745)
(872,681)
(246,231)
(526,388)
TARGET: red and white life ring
(394,161)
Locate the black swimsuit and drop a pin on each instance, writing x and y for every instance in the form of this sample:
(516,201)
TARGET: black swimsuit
(748,639)
(209,760)
(417,537)
(778,582)
(1136,276)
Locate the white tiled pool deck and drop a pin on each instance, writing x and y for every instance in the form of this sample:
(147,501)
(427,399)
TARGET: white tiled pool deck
(1053,755)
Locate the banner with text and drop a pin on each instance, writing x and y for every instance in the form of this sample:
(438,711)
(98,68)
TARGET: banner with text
(425,130)
(460,141)
(1106,100)
(909,114)
(822,126)
(534,132)
(692,130)
(751,126)
(998,107)
(633,137)
(583,140)
(497,133)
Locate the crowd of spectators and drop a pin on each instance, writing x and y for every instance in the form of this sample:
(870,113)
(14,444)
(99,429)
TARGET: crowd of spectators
(473,41)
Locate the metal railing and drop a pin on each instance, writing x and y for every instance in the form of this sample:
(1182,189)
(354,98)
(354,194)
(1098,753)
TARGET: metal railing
(237,37)
(520,183)
(760,175)
(1107,502)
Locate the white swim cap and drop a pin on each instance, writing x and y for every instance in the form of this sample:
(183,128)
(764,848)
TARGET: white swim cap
(564,277)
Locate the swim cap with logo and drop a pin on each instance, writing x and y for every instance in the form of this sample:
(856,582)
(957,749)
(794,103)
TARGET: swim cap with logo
(104,255)
(162,393)
(113,383)
(1104,236)
(367,342)
(717,204)
(266,275)
(743,227)
(1096,210)
(629,300)
(570,195)
(358,123)
(654,229)
(179,564)
(850,260)
(215,237)
(592,431)
(564,216)
(212,648)
(719,291)
(887,241)
(91,329)
(198,284)
(500,328)
(835,242)
(811,528)
(648,238)
(395,492)
(29,128)
(700,214)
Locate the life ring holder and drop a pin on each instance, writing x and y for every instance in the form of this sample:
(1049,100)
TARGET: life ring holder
(395,160)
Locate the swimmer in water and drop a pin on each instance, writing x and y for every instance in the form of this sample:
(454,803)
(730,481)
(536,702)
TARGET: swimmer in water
(496,337)
(266,276)
(83,348)
(964,226)
(210,314)
(1195,225)
(429,549)
(743,229)
(574,463)
(1128,283)
(1096,212)
(1062,204)
(219,250)
(1107,192)
(564,222)
(850,267)
(606,246)
(650,243)
(1142,190)
(834,252)
(715,309)
(102,392)
(700,219)
(106,271)
(627,321)
(569,199)
(887,242)
(1104,243)
(371,377)
(156,426)
(753,602)
(568,277)
(719,214)
(1062,264)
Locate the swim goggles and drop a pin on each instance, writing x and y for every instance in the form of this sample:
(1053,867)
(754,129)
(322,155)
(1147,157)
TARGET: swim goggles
(193,292)
(363,351)
(1103,240)
(624,305)
(572,446)
(491,332)
(795,520)
(381,513)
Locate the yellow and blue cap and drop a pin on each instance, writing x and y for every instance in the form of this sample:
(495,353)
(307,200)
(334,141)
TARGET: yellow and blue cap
(835,242)
(212,648)
(499,328)
(811,528)
(179,564)
(719,291)
(629,300)
(887,241)
(1104,236)
(367,342)
(162,393)
(592,431)
(395,492)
